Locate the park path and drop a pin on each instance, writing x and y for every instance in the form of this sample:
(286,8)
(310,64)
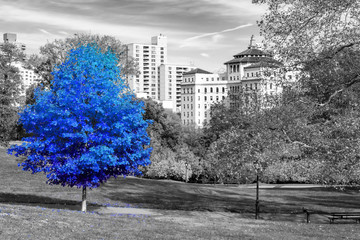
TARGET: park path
(125,210)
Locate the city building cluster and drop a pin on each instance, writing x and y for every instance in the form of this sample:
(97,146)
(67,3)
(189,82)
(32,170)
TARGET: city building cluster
(184,88)
(28,76)
(191,91)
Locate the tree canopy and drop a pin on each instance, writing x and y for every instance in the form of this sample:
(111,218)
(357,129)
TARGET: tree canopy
(10,89)
(88,126)
(55,53)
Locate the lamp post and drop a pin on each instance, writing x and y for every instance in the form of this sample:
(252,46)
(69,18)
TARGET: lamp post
(257,202)
(186,172)
(257,207)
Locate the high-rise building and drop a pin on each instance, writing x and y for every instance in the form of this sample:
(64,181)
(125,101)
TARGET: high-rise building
(199,90)
(29,77)
(149,57)
(171,76)
(11,38)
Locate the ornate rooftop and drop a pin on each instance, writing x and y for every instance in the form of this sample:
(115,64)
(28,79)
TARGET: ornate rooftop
(197,70)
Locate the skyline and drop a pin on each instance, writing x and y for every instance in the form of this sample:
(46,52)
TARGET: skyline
(206,32)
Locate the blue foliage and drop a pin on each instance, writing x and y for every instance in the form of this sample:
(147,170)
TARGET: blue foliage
(88,127)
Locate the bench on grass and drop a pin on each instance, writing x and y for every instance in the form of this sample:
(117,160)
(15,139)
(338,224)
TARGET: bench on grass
(344,215)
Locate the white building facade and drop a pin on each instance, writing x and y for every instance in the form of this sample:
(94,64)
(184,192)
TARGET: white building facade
(149,57)
(171,76)
(251,71)
(200,89)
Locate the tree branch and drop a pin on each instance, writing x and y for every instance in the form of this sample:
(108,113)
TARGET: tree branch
(346,86)
(296,142)
(339,49)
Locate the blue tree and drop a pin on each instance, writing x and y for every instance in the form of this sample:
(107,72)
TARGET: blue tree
(87,127)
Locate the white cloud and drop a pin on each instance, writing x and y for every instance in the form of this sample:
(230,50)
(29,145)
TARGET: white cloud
(44,31)
(205,55)
(71,22)
(238,7)
(216,38)
(63,33)
(189,41)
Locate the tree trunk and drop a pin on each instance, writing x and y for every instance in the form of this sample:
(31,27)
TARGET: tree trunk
(83,204)
(257,210)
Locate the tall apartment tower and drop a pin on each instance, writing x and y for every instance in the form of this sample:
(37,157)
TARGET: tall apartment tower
(11,38)
(171,76)
(149,57)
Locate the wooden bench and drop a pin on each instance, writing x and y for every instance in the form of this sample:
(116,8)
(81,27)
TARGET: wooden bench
(344,215)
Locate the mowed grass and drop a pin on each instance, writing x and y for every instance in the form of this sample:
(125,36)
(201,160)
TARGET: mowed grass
(31,209)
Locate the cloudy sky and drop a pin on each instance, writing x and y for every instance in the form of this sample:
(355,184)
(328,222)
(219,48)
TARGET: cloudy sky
(205,32)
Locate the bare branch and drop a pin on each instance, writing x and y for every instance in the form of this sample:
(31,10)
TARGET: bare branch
(346,86)
(296,142)
(341,48)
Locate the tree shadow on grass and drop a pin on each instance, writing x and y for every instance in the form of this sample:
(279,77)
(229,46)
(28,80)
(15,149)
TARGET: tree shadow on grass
(46,202)
(167,195)
(323,198)
(275,203)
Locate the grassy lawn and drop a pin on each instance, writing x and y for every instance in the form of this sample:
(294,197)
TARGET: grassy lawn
(31,209)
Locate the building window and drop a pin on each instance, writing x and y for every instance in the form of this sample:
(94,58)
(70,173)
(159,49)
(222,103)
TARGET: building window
(230,78)
(205,90)
(211,98)
(205,98)
(217,90)
(223,89)
(211,89)
(247,74)
(199,90)
(198,105)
